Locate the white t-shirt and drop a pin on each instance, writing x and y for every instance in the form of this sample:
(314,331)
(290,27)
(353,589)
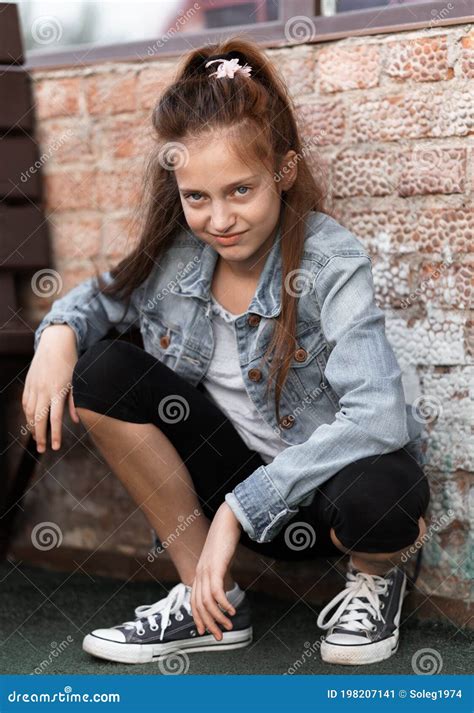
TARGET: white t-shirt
(224,384)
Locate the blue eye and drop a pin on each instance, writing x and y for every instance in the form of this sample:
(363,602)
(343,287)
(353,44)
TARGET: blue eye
(190,195)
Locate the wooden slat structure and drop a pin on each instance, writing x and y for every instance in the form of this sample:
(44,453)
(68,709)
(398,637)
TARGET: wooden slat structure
(24,247)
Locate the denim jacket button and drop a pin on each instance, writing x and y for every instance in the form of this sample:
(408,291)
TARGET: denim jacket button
(253,320)
(287,421)
(255,374)
(301,354)
(165,342)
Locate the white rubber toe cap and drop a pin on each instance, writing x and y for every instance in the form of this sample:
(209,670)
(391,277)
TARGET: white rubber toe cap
(110,635)
(347,639)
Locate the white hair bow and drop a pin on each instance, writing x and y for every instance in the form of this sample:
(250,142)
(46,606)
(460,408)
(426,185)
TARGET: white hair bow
(229,67)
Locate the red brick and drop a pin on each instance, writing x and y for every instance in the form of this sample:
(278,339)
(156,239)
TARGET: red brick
(401,230)
(433,170)
(75,235)
(151,83)
(467,56)
(321,123)
(446,285)
(342,68)
(119,188)
(56,97)
(389,119)
(364,173)
(65,141)
(297,68)
(111,93)
(71,190)
(119,137)
(423,60)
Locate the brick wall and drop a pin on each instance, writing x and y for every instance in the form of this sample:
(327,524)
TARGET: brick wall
(389,120)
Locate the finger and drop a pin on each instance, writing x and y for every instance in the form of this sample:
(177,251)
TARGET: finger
(41,423)
(219,595)
(56,418)
(195,604)
(30,414)
(210,612)
(24,399)
(214,609)
(72,408)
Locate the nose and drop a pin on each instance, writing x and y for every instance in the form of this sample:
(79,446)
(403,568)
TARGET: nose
(222,221)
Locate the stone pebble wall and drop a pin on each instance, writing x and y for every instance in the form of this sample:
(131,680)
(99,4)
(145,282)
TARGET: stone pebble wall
(388,123)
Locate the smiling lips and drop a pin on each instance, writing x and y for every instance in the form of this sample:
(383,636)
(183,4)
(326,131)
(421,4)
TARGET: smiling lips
(231,240)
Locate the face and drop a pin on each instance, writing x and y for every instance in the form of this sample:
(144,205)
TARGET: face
(222,196)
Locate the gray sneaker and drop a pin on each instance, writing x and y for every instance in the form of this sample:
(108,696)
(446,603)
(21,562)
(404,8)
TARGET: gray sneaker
(365,626)
(165,627)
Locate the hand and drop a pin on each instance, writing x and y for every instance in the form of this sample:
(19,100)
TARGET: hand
(48,384)
(208,586)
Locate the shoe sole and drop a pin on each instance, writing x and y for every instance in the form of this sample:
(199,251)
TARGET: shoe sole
(357,655)
(146,653)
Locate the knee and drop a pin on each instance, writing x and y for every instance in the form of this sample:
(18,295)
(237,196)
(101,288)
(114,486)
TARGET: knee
(103,363)
(384,503)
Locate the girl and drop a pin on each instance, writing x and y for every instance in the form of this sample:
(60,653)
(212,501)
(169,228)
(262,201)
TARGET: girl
(267,404)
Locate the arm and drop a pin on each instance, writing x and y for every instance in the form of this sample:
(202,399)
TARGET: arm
(363,369)
(90,314)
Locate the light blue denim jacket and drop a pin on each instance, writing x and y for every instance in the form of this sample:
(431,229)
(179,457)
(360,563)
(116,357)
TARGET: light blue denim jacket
(343,398)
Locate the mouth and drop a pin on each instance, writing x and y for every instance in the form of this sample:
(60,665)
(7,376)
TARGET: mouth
(228,239)
(234,235)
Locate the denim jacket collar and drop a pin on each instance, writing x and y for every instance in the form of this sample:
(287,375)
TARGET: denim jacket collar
(266,301)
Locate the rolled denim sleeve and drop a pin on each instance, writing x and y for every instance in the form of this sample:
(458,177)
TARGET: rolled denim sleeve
(90,313)
(371,420)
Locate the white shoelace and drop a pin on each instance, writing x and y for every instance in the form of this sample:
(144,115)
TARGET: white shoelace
(177,598)
(360,598)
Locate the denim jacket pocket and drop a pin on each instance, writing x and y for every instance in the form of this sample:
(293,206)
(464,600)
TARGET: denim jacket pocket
(309,369)
(162,339)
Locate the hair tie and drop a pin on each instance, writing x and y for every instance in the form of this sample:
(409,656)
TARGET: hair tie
(229,68)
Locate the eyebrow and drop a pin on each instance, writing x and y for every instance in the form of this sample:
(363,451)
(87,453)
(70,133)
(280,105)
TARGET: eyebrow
(231,185)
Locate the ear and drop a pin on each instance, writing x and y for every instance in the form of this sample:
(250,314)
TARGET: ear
(288,170)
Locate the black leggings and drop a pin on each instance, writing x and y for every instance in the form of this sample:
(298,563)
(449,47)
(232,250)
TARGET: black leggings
(373,504)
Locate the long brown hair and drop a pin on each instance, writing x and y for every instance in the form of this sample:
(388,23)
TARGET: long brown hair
(261,117)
